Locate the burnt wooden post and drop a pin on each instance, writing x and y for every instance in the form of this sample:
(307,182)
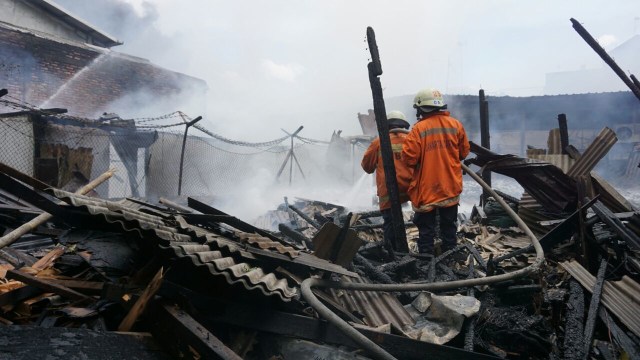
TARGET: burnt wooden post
(607,59)
(573,337)
(375,70)
(564,133)
(184,145)
(485,138)
(593,307)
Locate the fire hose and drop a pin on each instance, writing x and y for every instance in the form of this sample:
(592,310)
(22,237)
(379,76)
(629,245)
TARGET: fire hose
(372,348)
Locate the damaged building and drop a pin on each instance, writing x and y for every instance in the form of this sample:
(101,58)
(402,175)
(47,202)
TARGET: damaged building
(53,59)
(113,245)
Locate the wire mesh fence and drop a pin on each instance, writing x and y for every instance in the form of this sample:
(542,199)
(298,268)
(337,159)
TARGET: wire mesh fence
(65,151)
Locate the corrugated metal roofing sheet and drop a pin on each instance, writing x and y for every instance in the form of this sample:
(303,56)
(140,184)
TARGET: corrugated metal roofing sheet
(378,308)
(600,146)
(621,297)
(564,162)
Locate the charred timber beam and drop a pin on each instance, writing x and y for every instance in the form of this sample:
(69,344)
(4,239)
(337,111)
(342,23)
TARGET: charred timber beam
(295,235)
(609,218)
(564,132)
(227,219)
(15,296)
(395,266)
(471,322)
(182,334)
(631,347)
(375,70)
(175,206)
(372,271)
(46,285)
(306,218)
(573,337)
(589,327)
(607,59)
(485,138)
(635,81)
(476,255)
(340,238)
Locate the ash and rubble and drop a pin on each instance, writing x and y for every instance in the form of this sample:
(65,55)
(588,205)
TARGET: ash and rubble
(544,269)
(181,278)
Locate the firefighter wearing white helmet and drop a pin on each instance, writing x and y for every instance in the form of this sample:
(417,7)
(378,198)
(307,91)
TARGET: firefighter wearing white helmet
(397,120)
(372,162)
(433,148)
(428,100)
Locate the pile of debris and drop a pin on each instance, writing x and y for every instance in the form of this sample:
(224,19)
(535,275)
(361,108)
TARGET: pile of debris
(128,278)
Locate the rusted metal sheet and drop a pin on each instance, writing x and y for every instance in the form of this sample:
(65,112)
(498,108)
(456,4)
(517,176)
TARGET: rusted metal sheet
(378,308)
(620,297)
(633,165)
(600,146)
(553,189)
(609,195)
(564,162)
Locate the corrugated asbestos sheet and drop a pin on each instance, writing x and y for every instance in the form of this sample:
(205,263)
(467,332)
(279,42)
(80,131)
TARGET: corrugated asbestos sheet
(252,278)
(378,308)
(594,153)
(621,297)
(203,249)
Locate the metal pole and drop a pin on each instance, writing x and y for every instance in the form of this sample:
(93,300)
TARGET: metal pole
(290,157)
(375,70)
(184,144)
(291,163)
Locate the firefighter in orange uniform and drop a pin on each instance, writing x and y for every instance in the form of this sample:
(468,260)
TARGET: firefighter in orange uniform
(372,161)
(434,148)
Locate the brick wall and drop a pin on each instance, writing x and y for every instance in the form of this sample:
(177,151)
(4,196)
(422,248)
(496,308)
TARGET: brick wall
(34,68)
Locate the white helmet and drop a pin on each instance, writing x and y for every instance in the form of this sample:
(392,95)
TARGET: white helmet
(396,119)
(395,114)
(428,97)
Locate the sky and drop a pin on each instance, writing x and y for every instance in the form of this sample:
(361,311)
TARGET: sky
(285,63)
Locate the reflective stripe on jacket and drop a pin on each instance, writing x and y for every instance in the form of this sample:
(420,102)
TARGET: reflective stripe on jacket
(372,161)
(434,148)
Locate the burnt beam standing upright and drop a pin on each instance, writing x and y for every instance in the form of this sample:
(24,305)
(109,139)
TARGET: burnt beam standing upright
(184,145)
(375,70)
(603,54)
(485,138)
(564,133)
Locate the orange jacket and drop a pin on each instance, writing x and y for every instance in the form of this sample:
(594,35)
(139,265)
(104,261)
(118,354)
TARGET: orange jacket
(434,147)
(372,161)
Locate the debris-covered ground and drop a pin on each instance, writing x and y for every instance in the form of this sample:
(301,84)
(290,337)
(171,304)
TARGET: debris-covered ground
(184,279)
